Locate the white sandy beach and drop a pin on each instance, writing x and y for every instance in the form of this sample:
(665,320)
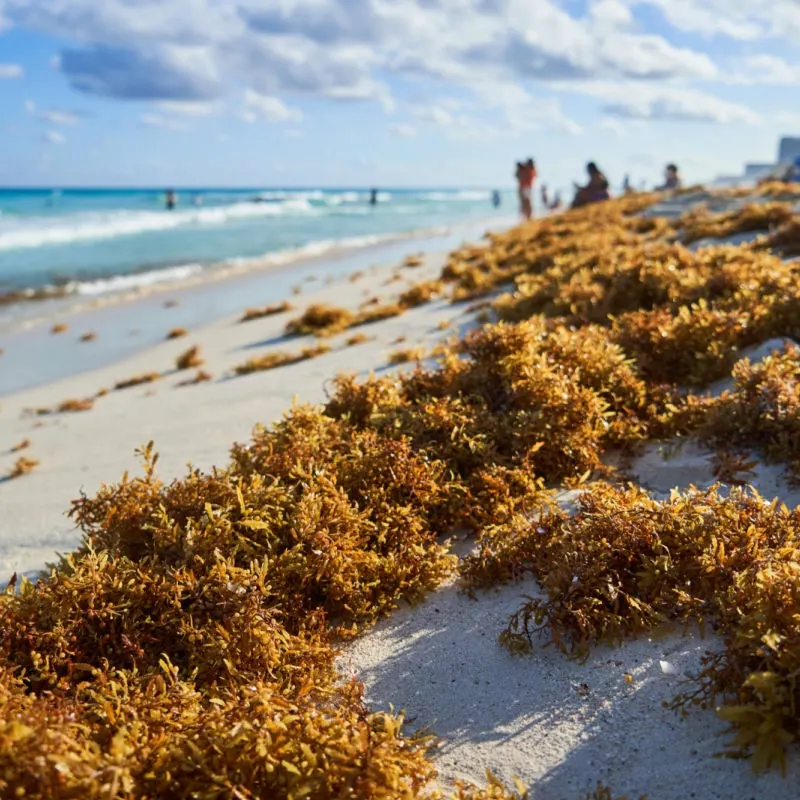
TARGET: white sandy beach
(558,725)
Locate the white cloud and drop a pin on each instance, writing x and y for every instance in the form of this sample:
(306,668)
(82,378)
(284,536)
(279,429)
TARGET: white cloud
(769,69)
(746,20)
(11,71)
(189,108)
(258,106)
(642,101)
(340,49)
(433,114)
(165,123)
(53,137)
(613,125)
(403,131)
(54,116)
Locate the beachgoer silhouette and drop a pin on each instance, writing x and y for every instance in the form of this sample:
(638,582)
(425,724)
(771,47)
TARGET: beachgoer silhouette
(496,200)
(545,196)
(672,179)
(171,200)
(525,175)
(373,197)
(595,191)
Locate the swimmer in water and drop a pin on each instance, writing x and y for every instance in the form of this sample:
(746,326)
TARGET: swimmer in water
(171,200)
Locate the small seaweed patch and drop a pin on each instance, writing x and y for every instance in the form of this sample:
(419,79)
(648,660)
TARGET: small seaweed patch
(177,333)
(200,377)
(409,354)
(421,293)
(190,359)
(137,380)
(22,445)
(267,311)
(322,320)
(274,360)
(22,466)
(89,336)
(357,338)
(414,260)
(59,327)
(67,406)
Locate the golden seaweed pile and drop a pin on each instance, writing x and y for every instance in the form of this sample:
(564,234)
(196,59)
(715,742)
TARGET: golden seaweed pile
(187,648)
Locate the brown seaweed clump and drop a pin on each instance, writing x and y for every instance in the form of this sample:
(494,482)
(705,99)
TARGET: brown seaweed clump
(191,358)
(177,333)
(200,377)
(321,320)
(274,360)
(22,466)
(23,445)
(357,338)
(137,380)
(267,311)
(68,406)
(89,336)
(59,327)
(407,355)
(421,293)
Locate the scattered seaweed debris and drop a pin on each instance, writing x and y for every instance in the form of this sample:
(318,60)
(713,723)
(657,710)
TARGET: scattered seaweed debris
(137,380)
(274,360)
(357,338)
(190,359)
(417,260)
(23,445)
(200,377)
(22,466)
(407,355)
(177,333)
(60,327)
(267,311)
(171,303)
(321,320)
(89,336)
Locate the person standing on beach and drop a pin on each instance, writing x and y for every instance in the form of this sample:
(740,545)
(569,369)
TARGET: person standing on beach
(526,175)
(496,199)
(171,200)
(545,196)
(373,197)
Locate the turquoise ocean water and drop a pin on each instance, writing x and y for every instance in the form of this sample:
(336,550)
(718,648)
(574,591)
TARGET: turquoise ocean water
(95,241)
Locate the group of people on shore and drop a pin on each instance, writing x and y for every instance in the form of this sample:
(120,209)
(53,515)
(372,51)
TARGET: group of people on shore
(595,190)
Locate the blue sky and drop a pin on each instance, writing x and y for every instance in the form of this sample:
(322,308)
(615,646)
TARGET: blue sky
(390,92)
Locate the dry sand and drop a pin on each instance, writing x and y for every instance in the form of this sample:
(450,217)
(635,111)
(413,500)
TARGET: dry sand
(558,725)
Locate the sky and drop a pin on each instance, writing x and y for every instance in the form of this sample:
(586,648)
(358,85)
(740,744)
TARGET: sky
(390,92)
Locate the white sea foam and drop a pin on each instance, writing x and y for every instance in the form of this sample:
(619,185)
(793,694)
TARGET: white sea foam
(464,196)
(120,283)
(141,281)
(42,231)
